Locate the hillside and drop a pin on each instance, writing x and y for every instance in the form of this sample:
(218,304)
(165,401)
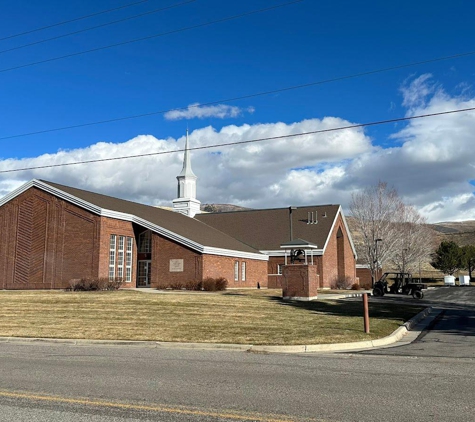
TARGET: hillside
(462,233)
(221,208)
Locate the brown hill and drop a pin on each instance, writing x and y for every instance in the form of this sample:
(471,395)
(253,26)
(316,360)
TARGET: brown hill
(221,208)
(461,232)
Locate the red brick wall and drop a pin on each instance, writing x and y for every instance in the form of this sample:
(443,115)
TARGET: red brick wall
(275,281)
(46,242)
(300,281)
(223,266)
(329,269)
(163,250)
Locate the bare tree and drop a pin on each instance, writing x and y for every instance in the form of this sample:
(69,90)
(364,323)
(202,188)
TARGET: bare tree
(415,241)
(377,210)
(392,232)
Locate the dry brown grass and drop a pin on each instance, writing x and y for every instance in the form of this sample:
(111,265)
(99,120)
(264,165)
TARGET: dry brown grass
(246,317)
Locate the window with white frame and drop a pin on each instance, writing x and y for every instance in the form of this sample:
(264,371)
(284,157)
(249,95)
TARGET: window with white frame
(145,242)
(128,260)
(120,257)
(243,271)
(236,270)
(280,267)
(113,240)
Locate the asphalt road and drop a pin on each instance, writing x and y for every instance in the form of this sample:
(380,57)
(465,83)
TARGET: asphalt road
(424,381)
(452,334)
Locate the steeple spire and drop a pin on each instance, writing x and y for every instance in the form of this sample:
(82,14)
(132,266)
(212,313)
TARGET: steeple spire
(186,203)
(187,171)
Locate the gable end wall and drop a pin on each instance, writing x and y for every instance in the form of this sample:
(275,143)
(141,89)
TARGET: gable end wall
(46,242)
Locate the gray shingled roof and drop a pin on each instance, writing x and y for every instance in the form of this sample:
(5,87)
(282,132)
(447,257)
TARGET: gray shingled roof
(192,229)
(269,228)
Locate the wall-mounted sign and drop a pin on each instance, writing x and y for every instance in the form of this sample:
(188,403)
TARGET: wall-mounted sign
(176,265)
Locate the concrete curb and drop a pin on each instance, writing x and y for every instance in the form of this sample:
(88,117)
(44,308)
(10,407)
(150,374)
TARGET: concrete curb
(334,347)
(331,296)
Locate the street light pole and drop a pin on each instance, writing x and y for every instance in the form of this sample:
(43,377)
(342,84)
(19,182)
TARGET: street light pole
(404,263)
(375,261)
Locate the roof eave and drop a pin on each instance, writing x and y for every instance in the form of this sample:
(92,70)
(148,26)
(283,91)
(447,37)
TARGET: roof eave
(129,217)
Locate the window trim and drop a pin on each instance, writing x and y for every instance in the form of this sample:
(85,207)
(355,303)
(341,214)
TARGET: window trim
(112,256)
(236,270)
(129,256)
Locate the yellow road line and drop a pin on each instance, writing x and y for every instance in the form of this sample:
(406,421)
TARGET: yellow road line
(154,408)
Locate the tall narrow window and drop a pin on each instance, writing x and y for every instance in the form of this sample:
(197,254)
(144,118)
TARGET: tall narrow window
(243,271)
(112,247)
(236,270)
(145,242)
(120,257)
(128,260)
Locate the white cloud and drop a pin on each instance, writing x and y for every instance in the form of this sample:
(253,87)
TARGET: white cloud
(431,162)
(196,111)
(434,163)
(242,174)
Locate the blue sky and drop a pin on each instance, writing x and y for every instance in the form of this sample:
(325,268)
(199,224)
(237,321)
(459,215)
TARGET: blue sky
(297,44)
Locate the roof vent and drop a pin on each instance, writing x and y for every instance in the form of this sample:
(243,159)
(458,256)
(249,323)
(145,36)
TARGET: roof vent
(311,219)
(324,214)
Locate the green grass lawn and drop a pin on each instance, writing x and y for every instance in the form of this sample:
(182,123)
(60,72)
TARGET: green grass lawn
(246,317)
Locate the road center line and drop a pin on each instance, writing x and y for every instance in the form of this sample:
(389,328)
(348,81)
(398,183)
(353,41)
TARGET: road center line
(153,408)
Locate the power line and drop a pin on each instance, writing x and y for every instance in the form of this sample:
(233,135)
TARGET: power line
(244,97)
(271,138)
(187,28)
(73,20)
(96,27)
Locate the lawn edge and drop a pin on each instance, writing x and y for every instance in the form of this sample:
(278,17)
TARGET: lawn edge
(330,347)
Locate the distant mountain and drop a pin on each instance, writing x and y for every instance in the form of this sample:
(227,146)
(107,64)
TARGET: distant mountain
(462,233)
(222,208)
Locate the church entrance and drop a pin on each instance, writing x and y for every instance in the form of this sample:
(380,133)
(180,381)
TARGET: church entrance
(143,273)
(144,258)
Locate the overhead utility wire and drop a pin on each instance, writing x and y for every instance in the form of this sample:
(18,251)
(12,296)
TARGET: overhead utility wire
(187,28)
(271,138)
(96,27)
(242,97)
(73,20)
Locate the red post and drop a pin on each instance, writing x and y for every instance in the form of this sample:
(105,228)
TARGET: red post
(366,313)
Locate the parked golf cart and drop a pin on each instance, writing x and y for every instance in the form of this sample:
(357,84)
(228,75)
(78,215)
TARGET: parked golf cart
(402,284)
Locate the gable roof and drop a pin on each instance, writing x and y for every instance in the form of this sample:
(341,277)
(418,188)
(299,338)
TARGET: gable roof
(185,230)
(266,230)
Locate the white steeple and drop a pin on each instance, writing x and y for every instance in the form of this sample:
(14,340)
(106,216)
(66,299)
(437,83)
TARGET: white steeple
(186,203)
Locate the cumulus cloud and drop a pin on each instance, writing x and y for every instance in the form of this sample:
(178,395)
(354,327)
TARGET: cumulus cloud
(242,174)
(196,111)
(434,162)
(430,162)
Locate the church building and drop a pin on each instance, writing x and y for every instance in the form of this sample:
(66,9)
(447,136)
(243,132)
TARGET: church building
(52,234)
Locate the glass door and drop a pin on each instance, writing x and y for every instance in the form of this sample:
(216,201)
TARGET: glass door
(143,276)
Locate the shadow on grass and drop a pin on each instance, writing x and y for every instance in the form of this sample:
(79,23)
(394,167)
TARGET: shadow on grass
(354,308)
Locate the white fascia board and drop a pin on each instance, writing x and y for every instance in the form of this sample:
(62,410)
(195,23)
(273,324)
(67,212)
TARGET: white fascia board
(18,191)
(279,252)
(129,217)
(235,254)
(347,231)
(300,246)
